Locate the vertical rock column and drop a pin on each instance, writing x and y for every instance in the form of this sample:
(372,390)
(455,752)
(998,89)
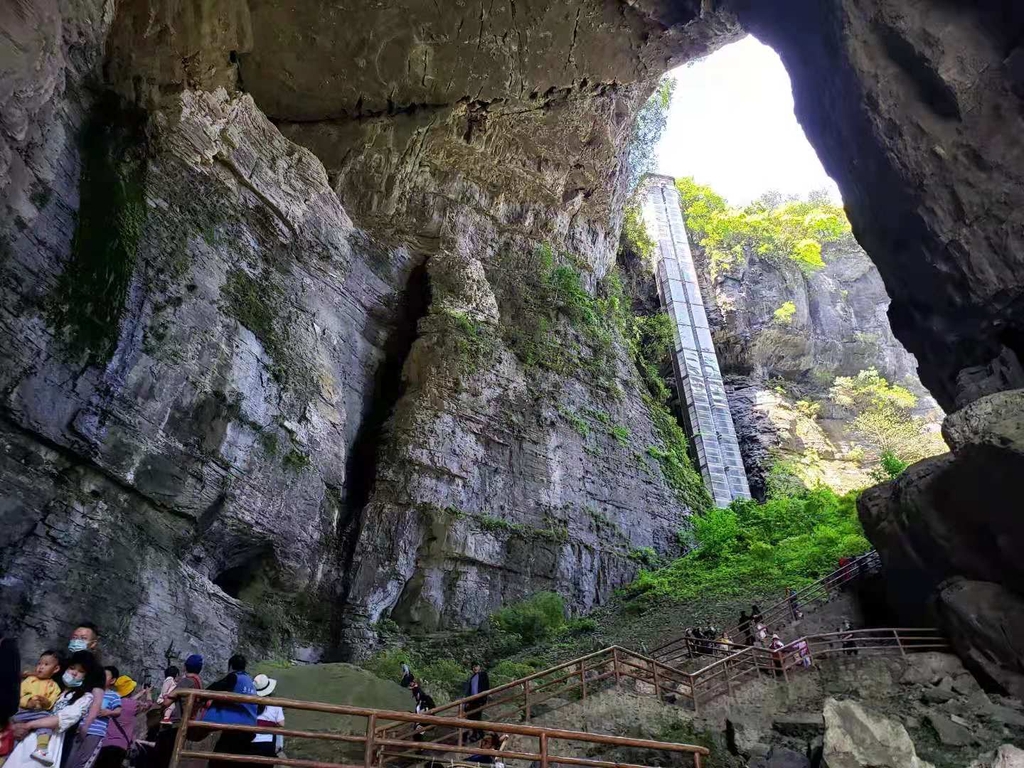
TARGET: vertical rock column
(698,377)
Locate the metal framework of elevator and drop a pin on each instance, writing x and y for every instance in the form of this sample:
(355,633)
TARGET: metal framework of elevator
(699,384)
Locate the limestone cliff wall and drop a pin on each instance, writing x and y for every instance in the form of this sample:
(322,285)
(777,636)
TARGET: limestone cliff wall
(779,370)
(232,416)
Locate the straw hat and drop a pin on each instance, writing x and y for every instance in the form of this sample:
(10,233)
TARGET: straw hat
(264,685)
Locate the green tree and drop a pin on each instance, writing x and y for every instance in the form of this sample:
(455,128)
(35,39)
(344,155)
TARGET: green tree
(647,131)
(882,415)
(770,227)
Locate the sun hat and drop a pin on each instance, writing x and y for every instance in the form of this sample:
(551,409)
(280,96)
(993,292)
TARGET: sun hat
(124,685)
(264,685)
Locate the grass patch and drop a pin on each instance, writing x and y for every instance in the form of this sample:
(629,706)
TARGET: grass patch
(752,548)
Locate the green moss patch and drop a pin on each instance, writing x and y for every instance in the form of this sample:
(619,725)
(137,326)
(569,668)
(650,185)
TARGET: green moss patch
(86,306)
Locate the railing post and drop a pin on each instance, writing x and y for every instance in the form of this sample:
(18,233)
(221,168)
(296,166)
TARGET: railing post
(462,716)
(615,665)
(693,695)
(696,760)
(896,634)
(526,697)
(371,726)
(179,739)
(657,684)
(728,676)
(543,750)
(583,679)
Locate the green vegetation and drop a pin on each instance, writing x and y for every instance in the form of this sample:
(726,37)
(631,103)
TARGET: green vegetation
(784,314)
(770,227)
(635,238)
(472,342)
(648,127)
(550,321)
(88,301)
(675,462)
(620,433)
(752,548)
(557,531)
(255,303)
(296,460)
(882,417)
(533,619)
(578,423)
(890,466)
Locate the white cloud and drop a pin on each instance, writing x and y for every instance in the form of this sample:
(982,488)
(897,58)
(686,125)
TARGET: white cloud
(731,125)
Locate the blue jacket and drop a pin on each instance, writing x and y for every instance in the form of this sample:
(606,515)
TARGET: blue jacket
(231,713)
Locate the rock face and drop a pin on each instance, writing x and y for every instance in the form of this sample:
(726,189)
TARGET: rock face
(230,415)
(909,108)
(261,268)
(778,372)
(952,551)
(856,737)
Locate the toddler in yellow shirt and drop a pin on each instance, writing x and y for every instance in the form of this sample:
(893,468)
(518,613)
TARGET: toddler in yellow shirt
(38,693)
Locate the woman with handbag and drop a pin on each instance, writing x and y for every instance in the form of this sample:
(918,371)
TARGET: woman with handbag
(121,733)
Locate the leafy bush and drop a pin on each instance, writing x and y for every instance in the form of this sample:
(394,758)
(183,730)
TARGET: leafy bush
(532,619)
(769,227)
(784,314)
(882,416)
(753,548)
(890,466)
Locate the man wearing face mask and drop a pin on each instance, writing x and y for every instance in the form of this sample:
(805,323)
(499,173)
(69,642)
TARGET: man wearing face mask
(86,637)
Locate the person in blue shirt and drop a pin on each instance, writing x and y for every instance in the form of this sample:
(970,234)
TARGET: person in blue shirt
(87,745)
(231,713)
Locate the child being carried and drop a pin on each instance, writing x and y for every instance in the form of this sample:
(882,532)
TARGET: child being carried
(38,693)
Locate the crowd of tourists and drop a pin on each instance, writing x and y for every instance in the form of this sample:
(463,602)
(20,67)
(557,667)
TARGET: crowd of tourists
(71,711)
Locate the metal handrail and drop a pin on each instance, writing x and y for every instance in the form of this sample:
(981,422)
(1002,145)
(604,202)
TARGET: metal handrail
(582,674)
(376,749)
(722,675)
(819,591)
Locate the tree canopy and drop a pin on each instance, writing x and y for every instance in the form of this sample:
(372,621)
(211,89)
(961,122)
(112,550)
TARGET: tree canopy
(771,227)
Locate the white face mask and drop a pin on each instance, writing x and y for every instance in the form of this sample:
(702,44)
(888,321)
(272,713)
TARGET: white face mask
(70,680)
(78,644)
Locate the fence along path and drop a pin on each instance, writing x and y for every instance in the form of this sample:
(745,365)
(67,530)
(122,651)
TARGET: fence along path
(376,747)
(405,737)
(821,591)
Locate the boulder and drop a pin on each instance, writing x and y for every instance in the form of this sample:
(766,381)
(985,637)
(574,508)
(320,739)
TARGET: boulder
(856,737)
(936,696)
(929,668)
(961,571)
(1007,756)
(745,736)
(949,733)
(1004,715)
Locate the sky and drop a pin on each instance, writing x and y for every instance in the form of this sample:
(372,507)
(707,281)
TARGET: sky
(731,125)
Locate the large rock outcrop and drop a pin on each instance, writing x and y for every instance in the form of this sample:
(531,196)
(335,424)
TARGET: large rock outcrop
(913,108)
(230,415)
(950,541)
(241,374)
(778,371)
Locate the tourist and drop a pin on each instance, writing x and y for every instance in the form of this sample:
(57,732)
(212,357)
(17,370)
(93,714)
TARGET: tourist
(477,685)
(10,684)
(39,692)
(267,744)
(407,676)
(794,607)
(493,742)
(424,701)
(121,732)
(775,646)
(760,632)
(164,742)
(90,736)
(755,614)
(86,637)
(82,676)
(171,675)
(233,713)
(724,643)
(846,635)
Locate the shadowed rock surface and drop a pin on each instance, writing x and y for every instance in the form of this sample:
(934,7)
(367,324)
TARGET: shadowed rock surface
(258,279)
